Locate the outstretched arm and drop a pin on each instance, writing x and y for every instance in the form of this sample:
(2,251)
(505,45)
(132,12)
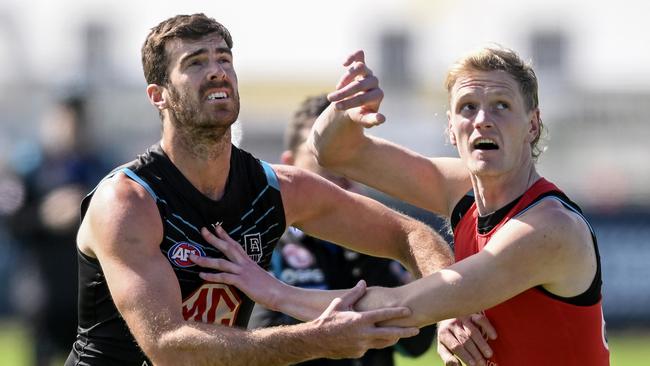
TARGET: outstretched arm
(324,210)
(122,230)
(340,144)
(546,246)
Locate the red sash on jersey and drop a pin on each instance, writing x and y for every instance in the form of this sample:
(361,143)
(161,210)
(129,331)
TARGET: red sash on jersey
(533,328)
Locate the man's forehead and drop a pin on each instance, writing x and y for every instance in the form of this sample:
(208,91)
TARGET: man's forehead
(177,47)
(485,81)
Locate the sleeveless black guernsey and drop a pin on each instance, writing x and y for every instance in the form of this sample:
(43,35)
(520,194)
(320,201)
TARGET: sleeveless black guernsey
(250,211)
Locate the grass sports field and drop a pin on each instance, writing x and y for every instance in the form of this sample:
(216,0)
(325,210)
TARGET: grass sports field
(627,348)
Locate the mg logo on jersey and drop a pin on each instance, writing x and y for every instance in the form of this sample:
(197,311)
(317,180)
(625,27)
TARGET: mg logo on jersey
(253,246)
(179,254)
(213,303)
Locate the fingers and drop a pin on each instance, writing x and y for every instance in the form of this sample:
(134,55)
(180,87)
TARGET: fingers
(447,357)
(455,340)
(219,264)
(487,329)
(354,87)
(477,346)
(356,71)
(372,119)
(353,295)
(383,314)
(467,349)
(221,277)
(358,55)
(390,333)
(382,337)
(224,243)
(368,102)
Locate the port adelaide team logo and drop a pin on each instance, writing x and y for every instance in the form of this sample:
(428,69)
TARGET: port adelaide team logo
(179,254)
(253,246)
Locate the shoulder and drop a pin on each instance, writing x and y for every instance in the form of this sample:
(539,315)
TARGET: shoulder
(121,210)
(552,218)
(125,196)
(553,236)
(546,245)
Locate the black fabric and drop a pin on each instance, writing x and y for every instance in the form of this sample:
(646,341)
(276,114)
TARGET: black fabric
(461,209)
(250,210)
(307,262)
(485,224)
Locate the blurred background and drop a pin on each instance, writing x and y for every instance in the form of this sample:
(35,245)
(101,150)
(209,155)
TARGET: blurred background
(73,105)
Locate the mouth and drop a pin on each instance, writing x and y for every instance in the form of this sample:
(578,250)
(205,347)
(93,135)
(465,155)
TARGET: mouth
(220,95)
(485,144)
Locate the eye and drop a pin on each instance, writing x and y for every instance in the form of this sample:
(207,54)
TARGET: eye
(502,106)
(194,62)
(467,107)
(225,60)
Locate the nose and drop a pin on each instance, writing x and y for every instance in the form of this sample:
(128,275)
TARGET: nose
(482,119)
(216,72)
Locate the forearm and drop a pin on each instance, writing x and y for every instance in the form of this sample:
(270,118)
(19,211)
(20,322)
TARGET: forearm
(300,303)
(448,293)
(334,138)
(209,345)
(427,253)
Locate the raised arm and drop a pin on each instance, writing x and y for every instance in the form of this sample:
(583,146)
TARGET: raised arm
(123,230)
(340,144)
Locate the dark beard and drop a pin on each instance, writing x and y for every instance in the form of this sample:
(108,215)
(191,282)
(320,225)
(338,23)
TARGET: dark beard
(198,132)
(188,117)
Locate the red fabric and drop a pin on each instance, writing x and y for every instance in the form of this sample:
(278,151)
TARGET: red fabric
(533,328)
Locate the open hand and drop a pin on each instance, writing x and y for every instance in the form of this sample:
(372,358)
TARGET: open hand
(358,93)
(238,270)
(349,334)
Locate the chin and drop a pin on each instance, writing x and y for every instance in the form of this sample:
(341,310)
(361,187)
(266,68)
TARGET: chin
(483,168)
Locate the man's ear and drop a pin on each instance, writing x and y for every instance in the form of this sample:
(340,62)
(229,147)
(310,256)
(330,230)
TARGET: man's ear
(535,122)
(450,134)
(157,96)
(287,157)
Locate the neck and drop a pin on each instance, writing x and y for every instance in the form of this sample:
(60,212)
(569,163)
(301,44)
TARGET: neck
(204,159)
(494,192)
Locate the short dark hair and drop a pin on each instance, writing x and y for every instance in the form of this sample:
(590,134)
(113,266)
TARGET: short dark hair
(303,119)
(154,55)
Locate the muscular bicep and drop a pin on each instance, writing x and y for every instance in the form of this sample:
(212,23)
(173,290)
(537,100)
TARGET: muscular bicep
(123,229)
(326,211)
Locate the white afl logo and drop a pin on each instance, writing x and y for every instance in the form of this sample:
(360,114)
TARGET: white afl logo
(179,254)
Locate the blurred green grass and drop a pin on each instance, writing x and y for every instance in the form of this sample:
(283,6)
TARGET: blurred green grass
(629,348)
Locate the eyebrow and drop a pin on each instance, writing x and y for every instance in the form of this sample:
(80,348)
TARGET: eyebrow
(200,51)
(501,91)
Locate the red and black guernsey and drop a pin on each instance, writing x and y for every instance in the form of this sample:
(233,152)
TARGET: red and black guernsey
(250,211)
(536,327)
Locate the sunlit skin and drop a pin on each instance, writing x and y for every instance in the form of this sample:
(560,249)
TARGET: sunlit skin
(303,158)
(196,134)
(200,68)
(489,105)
